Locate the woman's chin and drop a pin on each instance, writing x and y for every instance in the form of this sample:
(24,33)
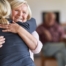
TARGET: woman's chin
(19,20)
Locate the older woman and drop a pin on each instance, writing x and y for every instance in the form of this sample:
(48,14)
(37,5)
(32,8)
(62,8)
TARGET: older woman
(22,12)
(19,14)
(33,42)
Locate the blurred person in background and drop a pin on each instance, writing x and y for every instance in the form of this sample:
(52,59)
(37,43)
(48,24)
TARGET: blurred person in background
(51,34)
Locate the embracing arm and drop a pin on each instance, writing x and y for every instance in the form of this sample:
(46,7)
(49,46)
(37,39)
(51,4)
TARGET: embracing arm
(39,43)
(30,40)
(24,34)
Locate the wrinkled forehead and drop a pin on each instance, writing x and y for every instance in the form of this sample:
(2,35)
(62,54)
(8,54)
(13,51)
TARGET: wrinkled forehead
(50,15)
(22,6)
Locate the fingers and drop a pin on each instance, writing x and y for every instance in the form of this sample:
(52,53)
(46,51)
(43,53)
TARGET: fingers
(2,41)
(4,26)
(10,28)
(1,46)
(2,37)
(6,30)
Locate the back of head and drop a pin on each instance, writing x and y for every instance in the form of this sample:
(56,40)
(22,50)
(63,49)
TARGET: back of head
(5,11)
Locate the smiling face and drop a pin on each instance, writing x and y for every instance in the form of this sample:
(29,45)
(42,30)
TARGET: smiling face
(20,13)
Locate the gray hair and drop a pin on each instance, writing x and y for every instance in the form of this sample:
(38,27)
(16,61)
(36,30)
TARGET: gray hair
(16,3)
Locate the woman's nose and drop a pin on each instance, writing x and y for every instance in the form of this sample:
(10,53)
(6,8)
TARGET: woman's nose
(20,13)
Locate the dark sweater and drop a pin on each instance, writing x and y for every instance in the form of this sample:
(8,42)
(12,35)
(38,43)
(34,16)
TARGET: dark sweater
(15,52)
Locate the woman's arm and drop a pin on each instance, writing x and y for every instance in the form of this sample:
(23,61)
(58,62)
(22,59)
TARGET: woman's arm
(39,44)
(30,40)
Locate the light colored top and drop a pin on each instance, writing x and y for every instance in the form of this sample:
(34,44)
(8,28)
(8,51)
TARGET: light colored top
(39,46)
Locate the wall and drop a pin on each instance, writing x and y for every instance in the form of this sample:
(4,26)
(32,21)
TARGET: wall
(38,6)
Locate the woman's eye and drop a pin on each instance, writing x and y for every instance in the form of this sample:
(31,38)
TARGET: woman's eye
(24,12)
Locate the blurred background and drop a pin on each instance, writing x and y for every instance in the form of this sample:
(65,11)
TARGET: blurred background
(39,8)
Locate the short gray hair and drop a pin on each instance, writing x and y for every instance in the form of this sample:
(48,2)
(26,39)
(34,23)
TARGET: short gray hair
(16,3)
